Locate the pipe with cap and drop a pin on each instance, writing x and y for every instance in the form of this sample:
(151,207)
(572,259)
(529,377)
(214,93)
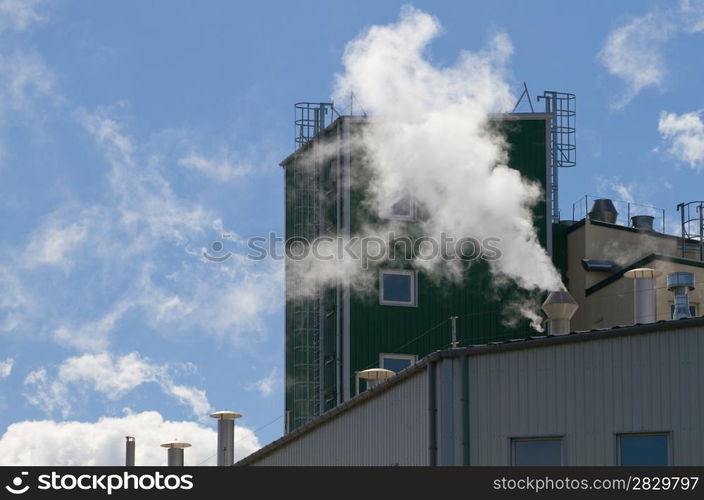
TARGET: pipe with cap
(559,307)
(175,452)
(680,284)
(644,304)
(226,436)
(129,451)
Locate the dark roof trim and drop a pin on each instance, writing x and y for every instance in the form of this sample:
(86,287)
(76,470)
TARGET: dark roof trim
(511,345)
(357,118)
(640,263)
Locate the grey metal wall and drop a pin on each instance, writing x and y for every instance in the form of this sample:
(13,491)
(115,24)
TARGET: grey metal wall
(588,392)
(391,429)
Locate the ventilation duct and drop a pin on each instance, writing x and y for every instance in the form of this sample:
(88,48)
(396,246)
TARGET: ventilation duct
(226,436)
(129,451)
(175,453)
(603,210)
(643,222)
(644,306)
(373,377)
(600,266)
(559,307)
(680,284)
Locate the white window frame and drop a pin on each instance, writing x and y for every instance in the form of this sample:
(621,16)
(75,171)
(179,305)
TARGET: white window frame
(668,438)
(514,440)
(414,287)
(385,355)
(388,214)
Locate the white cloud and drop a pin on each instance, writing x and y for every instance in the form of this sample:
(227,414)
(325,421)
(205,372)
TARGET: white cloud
(92,335)
(685,135)
(633,52)
(18,15)
(102,443)
(266,385)
(113,376)
(6,368)
(221,168)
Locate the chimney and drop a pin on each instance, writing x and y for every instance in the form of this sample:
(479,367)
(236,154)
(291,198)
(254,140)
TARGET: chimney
(680,284)
(226,436)
(129,451)
(559,307)
(373,376)
(643,222)
(644,308)
(603,210)
(175,453)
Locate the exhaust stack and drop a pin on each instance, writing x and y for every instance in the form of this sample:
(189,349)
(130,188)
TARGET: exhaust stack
(644,304)
(680,284)
(603,210)
(175,452)
(226,436)
(373,376)
(129,451)
(559,307)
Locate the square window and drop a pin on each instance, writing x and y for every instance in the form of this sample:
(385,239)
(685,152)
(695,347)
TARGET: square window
(536,451)
(397,287)
(396,362)
(403,209)
(643,449)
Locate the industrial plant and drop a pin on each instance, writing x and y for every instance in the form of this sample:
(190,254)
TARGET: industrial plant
(422,372)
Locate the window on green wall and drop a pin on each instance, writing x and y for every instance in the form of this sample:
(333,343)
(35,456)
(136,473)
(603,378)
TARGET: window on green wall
(643,449)
(396,362)
(403,209)
(397,287)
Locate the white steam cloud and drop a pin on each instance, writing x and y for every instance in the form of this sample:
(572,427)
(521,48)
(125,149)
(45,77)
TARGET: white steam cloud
(431,135)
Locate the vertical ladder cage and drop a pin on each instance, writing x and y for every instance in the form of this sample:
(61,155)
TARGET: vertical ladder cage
(310,119)
(563,146)
(692,220)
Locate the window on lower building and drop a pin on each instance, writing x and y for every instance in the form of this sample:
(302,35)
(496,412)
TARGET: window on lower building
(536,451)
(396,362)
(643,449)
(397,287)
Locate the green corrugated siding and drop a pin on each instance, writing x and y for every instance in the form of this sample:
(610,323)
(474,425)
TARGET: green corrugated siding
(375,328)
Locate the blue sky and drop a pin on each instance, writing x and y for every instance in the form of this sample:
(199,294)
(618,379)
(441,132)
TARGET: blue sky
(135,134)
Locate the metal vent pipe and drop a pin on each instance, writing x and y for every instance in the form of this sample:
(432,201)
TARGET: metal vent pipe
(129,451)
(644,304)
(175,452)
(559,308)
(680,284)
(226,436)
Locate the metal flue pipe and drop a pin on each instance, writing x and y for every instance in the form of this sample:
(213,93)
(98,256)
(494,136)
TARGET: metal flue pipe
(175,452)
(559,307)
(129,451)
(681,284)
(226,436)
(644,304)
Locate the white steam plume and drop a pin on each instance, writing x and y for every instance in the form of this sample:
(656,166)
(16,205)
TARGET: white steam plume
(431,135)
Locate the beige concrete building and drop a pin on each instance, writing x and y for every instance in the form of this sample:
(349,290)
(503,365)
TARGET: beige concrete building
(599,254)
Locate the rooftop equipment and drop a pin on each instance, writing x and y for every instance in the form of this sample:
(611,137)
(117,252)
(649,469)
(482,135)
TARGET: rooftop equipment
(129,451)
(226,436)
(175,452)
(692,220)
(603,210)
(373,377)
(644,305)
(600,266)
(680,284)
(559,307)
(563,147)
(642,222)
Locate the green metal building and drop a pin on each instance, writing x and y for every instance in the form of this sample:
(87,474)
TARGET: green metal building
(336,332)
